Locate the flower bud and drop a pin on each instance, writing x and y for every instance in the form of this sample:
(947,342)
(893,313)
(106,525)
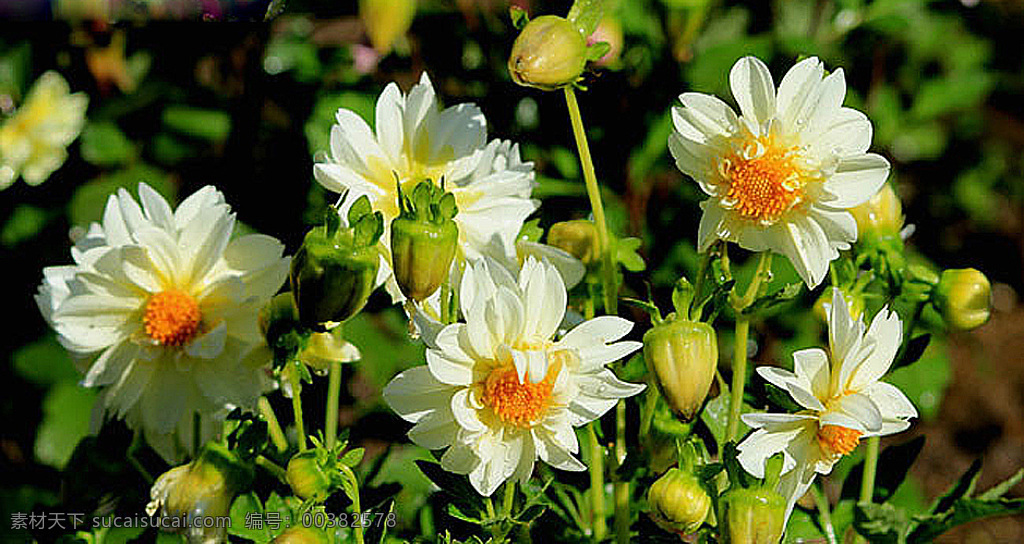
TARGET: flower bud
(324,348)
(335,270)
(203,488)
(386,20)
(577,238)
(297,534)
(549,53)
(682,356)
(752,516)
(424,239)
(678,502)
(963,297)
(853,301)
(881,215)
(307,476)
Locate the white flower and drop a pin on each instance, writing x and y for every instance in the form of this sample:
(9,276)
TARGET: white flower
(782,174)
(417,141)
(160,308)
(33,140)
(842,397)
(498,390)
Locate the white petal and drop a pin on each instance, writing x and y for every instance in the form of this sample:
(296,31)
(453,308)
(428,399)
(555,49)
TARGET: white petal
(416,393)
(838,225)
(761,444)
(553,454)
(856,180)
(752,86)
(886,334)
(811,365)
(891,402)
(156,208)
(449,370)
(707,114)
(830,98)
(459,459)
(857,406)
(465,414)
(390,132)
(848,134)
(796,89)
(710,224)
(804,243)
(109,366)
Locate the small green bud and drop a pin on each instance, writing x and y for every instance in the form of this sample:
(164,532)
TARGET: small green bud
(681,356)
(335,270)
(424,239)
(678,502)
(308,477)
(203,488)
(549,53)
(964,298)
(577,238)
(298,534)
(752,516)
(880,216)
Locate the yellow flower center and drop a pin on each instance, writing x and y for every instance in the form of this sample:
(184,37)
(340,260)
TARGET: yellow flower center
(172,317)
(838,440)
(763,180)
(519,403)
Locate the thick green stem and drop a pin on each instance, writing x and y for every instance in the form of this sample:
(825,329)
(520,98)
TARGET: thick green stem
(273,468)
(273,427)
(296,384)
(510,497)
(611,299)
(621,486)
(331,415)
(867,482)
(826,516)
(739,360)
(599,525)
(354,482)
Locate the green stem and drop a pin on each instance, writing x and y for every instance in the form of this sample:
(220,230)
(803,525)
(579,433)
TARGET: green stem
(739,359)
(823,511)
(295,382)
(611,298)
(867,482)
(331,416)
(273,468)
(354,482)
(273,427)
(650,407)
(599,525)
(621,486)
(510,497)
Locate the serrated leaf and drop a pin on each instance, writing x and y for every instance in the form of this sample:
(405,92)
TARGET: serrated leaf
(963,511)
(881,523)
(247,519)
(893,464)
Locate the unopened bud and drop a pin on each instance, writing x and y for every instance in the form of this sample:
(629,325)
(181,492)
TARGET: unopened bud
(549,53)
(298,534)
(577,238)
(308,477)
(854,302)
(335,270)
(678,502)
(964,298)
(424,239)
(752,516)
(386,21)
(881,216)
(682,356)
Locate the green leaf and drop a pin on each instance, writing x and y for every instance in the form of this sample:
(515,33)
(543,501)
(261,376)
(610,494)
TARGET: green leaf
(518,16)
(962,488)
(103,144)
(122,535)
(318,126)
(45,362)
(532,513)
(210,125)
(597,51)
(925,381)
(626,254)
(802,527)
(716,416)
(454,512)
(960,512)
(353,457)
(67,409)
(24,223)
(1001,488)
(913,352)
(246,513)
(89,199)
(775,299)
(881,523)
(944,95)
(586,14)
(893,464)
(531,231)
(456,486)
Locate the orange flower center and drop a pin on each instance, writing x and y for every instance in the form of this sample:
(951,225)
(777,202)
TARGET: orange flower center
(514,402)
(172,317)
(764,180)
(838,440)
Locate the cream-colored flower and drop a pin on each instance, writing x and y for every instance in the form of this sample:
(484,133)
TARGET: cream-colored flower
(782,174)
(842,398)
(416,141)
(33,141)
(160,308)
(499,391)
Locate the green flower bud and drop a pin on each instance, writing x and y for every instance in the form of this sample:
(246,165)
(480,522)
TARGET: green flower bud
(964,298)
(549,53)
(308,476)
(203,488)
(423,239)
(752,516)
(335,270)
(678,502)
(577,238)
(854,302)
(297,534)
(681,356)
(881,216)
